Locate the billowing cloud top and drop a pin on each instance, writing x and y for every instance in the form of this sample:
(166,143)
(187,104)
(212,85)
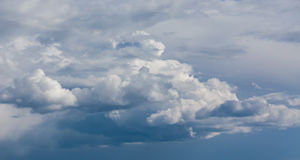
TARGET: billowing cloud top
(91,75)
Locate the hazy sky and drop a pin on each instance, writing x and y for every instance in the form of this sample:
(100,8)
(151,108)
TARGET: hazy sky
(158,79)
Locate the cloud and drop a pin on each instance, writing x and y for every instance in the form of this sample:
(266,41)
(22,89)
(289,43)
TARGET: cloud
(134,85)
(142,77)
(16,122)
(38,92)
(291,36)
(149,123)
(35,13)
(77,73)
(129,94)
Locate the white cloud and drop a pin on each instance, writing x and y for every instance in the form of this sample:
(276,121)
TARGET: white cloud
(139,91)
(39,92)
(127,85)
(16,122)
(294,101)
(156,48)
(211,135)
(53,56)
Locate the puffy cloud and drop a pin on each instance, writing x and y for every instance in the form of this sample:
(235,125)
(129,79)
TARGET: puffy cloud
(129,93)
(163,84)
(139,44)
(106,85)
(199,99)
(39,92)
(53,56)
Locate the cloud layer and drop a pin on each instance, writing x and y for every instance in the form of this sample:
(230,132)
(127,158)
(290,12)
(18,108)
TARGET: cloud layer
(130,94)
(77,73)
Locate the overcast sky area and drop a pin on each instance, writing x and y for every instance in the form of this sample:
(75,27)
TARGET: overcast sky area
(157,79)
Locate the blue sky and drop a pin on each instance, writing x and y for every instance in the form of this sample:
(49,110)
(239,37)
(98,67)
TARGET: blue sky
(193,79)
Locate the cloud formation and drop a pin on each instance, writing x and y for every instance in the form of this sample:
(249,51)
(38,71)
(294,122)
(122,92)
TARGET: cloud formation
(39,92)
(130,94)
(90,75)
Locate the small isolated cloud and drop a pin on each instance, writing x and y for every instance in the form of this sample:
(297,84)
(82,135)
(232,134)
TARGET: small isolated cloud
(255,85)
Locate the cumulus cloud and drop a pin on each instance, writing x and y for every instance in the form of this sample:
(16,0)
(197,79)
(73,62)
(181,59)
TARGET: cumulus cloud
(106,81)
(38,92)
(131,94)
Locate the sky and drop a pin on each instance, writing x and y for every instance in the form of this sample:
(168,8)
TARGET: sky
(180,79)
